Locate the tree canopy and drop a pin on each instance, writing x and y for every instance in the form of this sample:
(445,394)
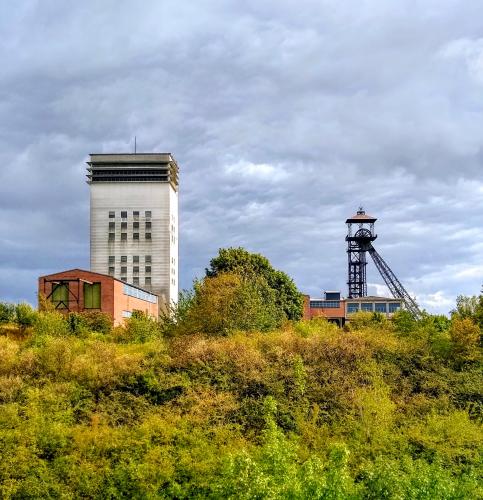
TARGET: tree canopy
(253,266)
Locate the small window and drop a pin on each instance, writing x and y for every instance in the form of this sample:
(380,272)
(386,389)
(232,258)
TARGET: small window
(147,281)
(147,214)
(135,214)
(112,226)
(123,215)
(148,236)
(394,306)
(112,270)
(380,307)
(366,307)
(124,225)
(60,295)
(147,259)
(112,259)
(148,225)
(135,269)
(135,258)
(147,269)
(123,270)
(123,236)
(112,237)
(135,236)
(92,296)
(112,215)
(135,225)
(123,278)
(135,280)
(352,308)
(123,258)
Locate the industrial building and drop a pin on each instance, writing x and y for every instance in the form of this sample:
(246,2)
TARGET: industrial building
(134,220)
(338,310)
(77,290)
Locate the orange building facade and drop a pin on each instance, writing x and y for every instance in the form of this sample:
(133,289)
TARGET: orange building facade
(77,290)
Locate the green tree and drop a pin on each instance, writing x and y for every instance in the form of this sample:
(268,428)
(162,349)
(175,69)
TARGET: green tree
(252,265)
(226,303)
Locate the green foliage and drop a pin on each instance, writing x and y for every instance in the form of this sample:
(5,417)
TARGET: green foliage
(25,315)
(381,410)
(252,265)
(7,312)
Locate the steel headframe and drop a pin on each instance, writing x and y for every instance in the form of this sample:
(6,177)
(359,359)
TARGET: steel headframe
(358,245)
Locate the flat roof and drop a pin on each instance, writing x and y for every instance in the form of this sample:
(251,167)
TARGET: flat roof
(131,158)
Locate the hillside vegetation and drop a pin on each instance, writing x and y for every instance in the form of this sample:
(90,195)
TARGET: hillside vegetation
(307,411)
(231,397)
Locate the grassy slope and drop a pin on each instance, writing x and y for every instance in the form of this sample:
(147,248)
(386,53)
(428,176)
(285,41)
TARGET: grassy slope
(309,411)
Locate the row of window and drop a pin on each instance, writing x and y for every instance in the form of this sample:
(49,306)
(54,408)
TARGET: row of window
(381,307)
(135,214)
(324,304)
(135,225)
(135,270)
(135,236)
(135,259)
(140,294)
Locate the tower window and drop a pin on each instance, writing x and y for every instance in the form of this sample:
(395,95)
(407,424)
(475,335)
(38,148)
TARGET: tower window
(124,225)
(135,280)
(124,270)
(135,236)
(123,278)
(112,259)
(123,236)
(147,269)
(148,236)
(148,225)
(124,215)
(123,258)
(135,258)
(112,215)
(111,270)
(147,259)
(147,214)
(135,269)
(135,214)
(135,225)
(147,281)
(111,237)
(112,226)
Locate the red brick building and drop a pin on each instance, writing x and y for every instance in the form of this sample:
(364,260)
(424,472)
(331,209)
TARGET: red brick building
(338,310)
(78,290)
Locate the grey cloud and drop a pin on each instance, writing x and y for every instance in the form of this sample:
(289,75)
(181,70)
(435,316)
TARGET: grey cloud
(379,105)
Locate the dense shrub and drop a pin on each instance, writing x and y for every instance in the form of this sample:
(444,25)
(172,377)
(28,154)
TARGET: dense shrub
(309,410)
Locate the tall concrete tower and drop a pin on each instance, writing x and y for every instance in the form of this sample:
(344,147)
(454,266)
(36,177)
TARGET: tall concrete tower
(134,220)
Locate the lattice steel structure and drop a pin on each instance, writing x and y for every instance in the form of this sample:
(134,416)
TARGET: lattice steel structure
(359,242)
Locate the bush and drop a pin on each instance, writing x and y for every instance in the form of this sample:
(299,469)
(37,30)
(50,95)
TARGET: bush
(7,312)
(25,315)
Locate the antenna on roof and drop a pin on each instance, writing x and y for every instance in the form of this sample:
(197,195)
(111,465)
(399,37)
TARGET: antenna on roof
(135,145)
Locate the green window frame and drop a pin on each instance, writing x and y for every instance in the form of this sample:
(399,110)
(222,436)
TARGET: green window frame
(92,296)
(60,295)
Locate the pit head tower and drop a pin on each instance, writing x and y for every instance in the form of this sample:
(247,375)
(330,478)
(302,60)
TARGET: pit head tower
(134,220)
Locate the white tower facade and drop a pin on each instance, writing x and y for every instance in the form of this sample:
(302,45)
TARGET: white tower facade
(134,220)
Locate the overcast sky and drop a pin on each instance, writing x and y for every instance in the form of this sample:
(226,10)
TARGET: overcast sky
(284,117)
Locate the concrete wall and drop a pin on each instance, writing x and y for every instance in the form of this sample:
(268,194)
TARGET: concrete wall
(162,200)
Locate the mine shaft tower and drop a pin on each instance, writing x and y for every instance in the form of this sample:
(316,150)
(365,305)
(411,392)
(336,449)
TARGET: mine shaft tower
(360,235)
